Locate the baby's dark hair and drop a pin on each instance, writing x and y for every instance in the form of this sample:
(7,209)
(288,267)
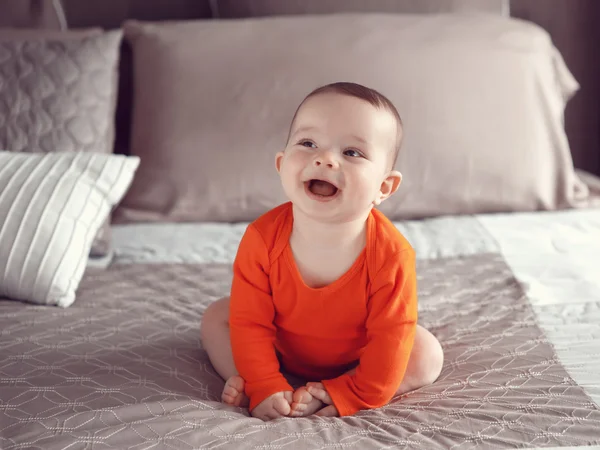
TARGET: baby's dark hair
(361,92)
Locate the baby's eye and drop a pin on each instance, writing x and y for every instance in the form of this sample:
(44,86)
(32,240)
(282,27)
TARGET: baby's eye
(353,153)
(308,144)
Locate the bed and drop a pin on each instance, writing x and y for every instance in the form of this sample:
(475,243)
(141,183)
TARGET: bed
(99,320)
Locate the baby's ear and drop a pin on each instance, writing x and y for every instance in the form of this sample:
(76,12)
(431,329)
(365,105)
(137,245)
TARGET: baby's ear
(390,184)
(278,159)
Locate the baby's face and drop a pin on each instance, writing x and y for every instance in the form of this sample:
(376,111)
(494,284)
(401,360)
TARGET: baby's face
(337,157)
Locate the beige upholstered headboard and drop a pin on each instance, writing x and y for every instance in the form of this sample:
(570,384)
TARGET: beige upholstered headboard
(111,13)
(252,8)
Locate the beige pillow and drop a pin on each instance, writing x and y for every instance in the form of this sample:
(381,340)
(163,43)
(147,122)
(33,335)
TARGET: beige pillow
(482,99)
(51,206)
(58,93)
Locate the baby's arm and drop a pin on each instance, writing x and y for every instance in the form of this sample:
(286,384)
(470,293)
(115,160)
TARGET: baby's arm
(251,315)
(391,324)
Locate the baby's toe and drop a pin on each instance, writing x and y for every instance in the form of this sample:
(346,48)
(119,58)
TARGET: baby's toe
(297,409)
(301,395)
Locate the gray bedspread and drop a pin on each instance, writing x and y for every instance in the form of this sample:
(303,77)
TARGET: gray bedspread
(124,368)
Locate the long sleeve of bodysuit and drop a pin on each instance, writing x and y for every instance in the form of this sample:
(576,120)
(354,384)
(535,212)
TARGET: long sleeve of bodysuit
(251,314)
(391,325)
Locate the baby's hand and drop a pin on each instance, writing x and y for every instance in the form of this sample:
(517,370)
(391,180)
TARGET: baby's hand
(317,390)
(274,406)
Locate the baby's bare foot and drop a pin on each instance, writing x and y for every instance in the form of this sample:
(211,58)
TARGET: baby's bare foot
(233,392)
(304,404)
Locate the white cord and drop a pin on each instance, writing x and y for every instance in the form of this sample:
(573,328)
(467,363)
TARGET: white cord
(60,14)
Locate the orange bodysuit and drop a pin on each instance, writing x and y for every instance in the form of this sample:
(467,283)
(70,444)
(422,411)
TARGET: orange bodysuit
(365,319)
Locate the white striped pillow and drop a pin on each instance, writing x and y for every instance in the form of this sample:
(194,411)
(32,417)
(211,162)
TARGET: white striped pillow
(51,206)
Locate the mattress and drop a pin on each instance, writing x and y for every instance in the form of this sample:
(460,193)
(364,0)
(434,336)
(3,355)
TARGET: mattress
(513,298)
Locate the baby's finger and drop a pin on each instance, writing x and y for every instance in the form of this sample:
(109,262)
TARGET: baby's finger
(321,394)
(328,411)
(289,396)
(228,390)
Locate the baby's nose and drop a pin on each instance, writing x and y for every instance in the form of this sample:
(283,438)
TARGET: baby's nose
(325,159)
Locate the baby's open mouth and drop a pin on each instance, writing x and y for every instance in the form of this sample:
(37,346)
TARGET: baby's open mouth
(322,188)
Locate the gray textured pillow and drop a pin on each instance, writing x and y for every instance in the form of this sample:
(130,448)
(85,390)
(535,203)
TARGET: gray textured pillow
(58,93)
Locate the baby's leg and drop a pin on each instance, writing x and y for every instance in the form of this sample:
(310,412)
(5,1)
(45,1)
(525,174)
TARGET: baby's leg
(214,333)
(424,367)
(425,362)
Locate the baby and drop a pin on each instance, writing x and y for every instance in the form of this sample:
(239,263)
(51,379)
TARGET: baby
(324,286)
